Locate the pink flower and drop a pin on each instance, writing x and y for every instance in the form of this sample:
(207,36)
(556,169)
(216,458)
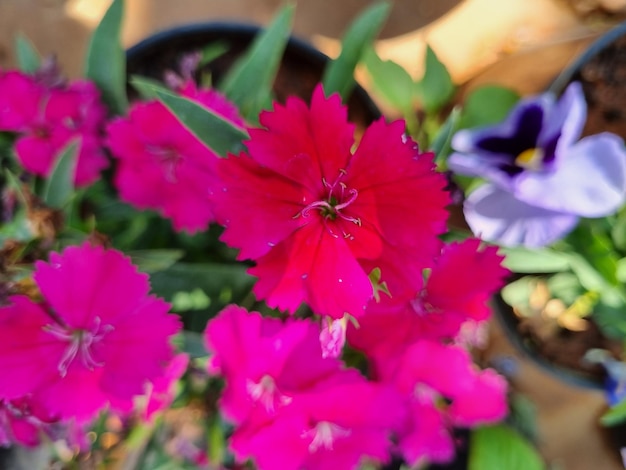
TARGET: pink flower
(162,165)
(292,407)
(262,360)
(95,341)
(48,118)
(323,217)
(431,374)
(20,100)
(161,390)
(22,422)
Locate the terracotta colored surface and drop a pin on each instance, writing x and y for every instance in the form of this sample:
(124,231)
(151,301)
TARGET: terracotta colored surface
(521,43)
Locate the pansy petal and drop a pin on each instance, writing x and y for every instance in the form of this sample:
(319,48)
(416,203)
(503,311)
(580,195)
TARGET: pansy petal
(590,182)
(497,216)
(566,119)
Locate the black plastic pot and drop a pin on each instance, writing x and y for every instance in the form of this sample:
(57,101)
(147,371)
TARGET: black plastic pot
(601,69)
(592,378)
(300,71)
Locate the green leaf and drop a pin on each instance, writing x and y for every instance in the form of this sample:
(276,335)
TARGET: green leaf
(339,73)
(618,231)
(28,58)
(539,260)
(221,283)
(595,246)
(435,87)
(616,415)
(212,129)
(59,187)
(150,261)
(193,344)
(106,61)
(487,105)
(565,286)
(146,87)
(441,144)
(248,83)
(391,81)
(518,292)
(500,447)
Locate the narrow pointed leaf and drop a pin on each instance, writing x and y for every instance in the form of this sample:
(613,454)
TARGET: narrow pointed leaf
(249,82)
(486,105)
(59,186)
(147,87)
(213,130)
(541,260)
(391,81)
(106,61)
(339,73)
(436,86)
(28,58)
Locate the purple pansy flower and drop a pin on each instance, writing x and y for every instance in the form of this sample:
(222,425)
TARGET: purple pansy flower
(540,179)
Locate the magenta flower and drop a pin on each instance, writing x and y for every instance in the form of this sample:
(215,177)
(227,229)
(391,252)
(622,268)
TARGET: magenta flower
(292,407)
(539,178)
(96,340)
(22,422)
(162,389)
(48,118)
(162,165)
(323,217)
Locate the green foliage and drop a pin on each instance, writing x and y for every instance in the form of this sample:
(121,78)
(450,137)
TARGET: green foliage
(435,88)
(248,83)
(59,186)
(224,136)
(525,260)
(28,58)
(487,105)
(501,447)
(391,81)
(106,61)
(339,74)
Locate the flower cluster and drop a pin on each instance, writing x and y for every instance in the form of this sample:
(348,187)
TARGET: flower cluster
(66,357)
(338,321)
(325,220)
(48,114)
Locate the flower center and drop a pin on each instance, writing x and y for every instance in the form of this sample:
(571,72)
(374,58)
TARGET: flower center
(170,158)
(530,159)
(80,343)
(339,198)
(324,434)
(266,392)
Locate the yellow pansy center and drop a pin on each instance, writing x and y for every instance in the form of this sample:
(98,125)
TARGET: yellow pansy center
(530,159)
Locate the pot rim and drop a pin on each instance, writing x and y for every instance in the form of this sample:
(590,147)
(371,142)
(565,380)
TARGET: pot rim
(565,77)
(506,317)
(295,45)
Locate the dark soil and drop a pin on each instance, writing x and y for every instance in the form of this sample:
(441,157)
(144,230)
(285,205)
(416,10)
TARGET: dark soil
(604,83)
(556,349)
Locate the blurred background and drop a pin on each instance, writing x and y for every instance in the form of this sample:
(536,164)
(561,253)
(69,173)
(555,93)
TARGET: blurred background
(518,43)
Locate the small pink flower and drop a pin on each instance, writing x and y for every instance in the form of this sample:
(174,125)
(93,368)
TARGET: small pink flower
(439,310)
(325,217)
(22,422)
(96,340)
(161,390)
(48,118)
(20,100)
(162,165)
(262,360)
